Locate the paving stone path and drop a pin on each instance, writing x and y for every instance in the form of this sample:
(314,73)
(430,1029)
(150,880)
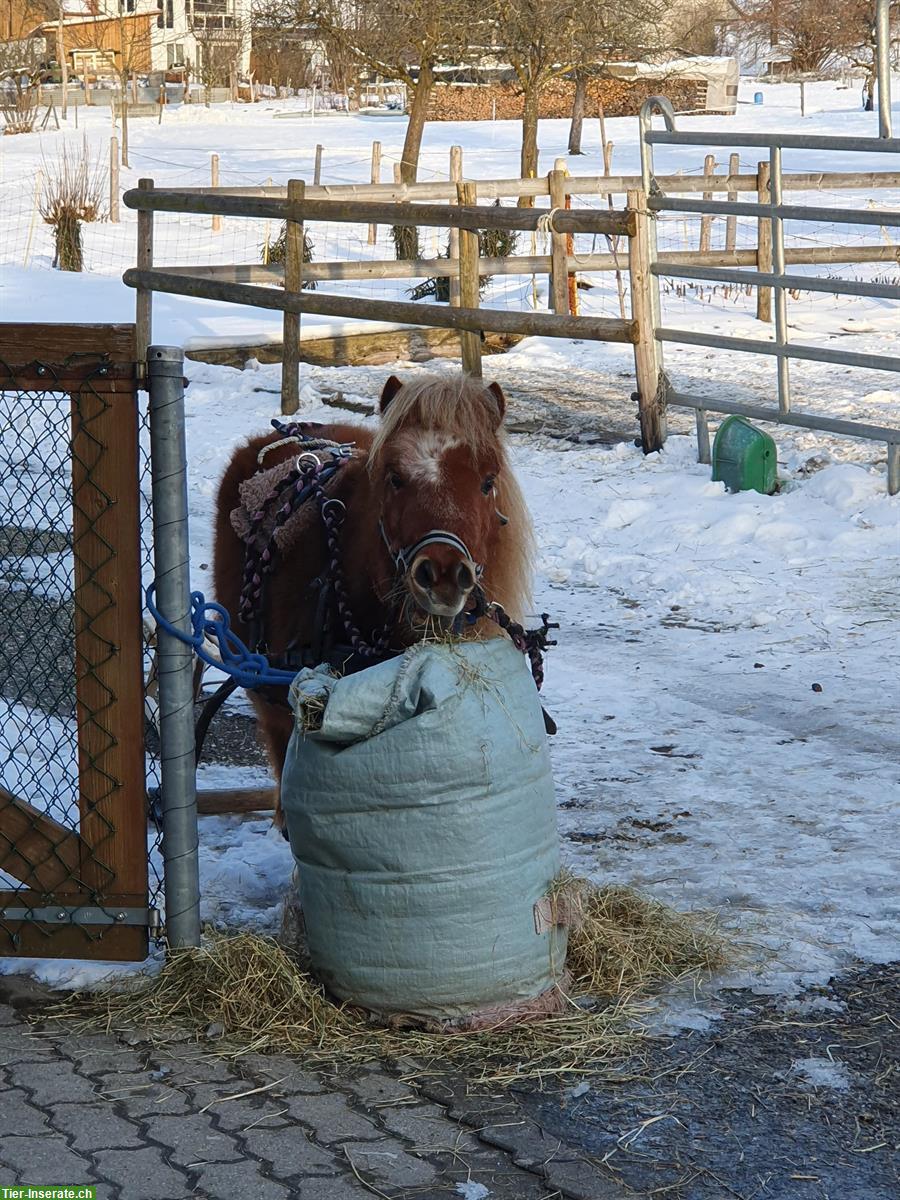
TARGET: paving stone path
(144,1123)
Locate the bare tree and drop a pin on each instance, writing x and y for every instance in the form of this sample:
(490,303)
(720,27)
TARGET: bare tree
(816,35)
(219,37)
(543,40)
(403,40)
(284,33)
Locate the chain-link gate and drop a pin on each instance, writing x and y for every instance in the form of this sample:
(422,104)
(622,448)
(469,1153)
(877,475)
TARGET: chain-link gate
(75,548)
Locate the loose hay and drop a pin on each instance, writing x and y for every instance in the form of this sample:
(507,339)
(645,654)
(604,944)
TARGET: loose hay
(264,1000)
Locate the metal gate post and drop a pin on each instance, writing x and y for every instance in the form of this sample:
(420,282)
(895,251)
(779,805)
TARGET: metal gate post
(165,370)
(781,328)
(883,65)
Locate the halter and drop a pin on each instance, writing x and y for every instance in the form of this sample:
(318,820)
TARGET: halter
(406,555)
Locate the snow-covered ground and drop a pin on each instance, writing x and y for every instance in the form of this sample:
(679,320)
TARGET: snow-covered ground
(695,759)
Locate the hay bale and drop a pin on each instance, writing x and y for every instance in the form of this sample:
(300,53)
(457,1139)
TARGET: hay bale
(262,998)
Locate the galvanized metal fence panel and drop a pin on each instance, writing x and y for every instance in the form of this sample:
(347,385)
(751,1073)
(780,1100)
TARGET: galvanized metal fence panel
(776,278)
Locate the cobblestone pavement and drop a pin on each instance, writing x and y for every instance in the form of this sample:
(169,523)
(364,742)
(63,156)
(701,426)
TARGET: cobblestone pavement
(144,1123)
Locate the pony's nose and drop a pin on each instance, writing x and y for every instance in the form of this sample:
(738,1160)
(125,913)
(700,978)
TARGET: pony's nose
(465,576)
(425,574)
(442,584)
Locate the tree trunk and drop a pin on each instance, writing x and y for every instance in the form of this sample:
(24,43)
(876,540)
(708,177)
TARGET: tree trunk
(577,114)
(870,92)
(529,162)
(418,114)
(124,90)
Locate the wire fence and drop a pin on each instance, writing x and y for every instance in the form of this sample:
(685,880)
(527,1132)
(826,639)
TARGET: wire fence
(74,854)
(183,240)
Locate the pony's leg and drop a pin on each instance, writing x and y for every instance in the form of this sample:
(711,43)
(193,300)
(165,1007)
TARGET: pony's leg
(276,723)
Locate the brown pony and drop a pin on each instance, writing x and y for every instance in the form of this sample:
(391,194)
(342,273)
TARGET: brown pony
(435,465)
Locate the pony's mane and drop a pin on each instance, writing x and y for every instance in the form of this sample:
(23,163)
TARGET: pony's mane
(463,409)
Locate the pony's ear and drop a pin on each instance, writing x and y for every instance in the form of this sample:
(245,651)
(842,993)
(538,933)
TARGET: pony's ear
(497,392)
(388,392)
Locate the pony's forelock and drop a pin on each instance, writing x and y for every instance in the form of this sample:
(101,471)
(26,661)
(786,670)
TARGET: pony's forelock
(459,407)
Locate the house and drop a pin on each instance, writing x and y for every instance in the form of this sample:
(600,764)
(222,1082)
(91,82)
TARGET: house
(207,39)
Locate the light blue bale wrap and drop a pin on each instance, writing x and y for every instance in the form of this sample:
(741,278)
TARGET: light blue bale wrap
(422,819)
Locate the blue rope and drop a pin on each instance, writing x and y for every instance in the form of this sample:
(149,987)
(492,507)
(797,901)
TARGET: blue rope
(249,670)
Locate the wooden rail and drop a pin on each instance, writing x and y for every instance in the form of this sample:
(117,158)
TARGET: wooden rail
(527,264)
(475,320)
(574,220)
(575,185)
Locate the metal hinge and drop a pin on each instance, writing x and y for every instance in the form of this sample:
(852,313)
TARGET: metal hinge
(61,914)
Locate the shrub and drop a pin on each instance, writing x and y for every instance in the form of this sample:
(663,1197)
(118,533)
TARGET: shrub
(72,193)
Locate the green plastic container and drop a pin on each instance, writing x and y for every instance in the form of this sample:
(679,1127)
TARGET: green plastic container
(744,458)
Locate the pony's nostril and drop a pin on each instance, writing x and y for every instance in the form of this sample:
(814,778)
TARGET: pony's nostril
(465,577)
(424,574)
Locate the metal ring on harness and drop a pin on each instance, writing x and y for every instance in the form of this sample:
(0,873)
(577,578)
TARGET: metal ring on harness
(331,500)
(309,454)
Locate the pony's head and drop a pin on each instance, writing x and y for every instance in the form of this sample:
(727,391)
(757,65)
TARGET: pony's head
(451,513)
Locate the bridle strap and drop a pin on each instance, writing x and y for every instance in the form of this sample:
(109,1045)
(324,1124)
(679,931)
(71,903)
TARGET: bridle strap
(406,555)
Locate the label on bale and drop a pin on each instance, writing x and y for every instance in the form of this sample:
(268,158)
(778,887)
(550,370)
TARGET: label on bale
(421,814)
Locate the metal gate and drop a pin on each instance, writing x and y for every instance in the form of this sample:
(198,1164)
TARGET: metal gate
(776,212)
(75,549)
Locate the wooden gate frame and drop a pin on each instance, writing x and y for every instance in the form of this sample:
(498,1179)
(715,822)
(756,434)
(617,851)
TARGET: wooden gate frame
(90,885)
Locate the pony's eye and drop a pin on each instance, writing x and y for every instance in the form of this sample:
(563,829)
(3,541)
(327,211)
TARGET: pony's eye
(396,481)
(488,486)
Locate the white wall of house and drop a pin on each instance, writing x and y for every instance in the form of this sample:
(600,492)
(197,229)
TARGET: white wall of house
(176,37)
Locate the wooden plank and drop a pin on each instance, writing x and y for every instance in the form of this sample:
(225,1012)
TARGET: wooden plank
(527,264)
(576,220)
(456,165)
(734,166)
(54,344)
(646,361)
(108,640)
(36,849)
(114,943)
(236,800)
(559,289)
(603,329)
(764,243)
(469,285)
(293,282)
(376,179)
(709,169)
(143,312)
(495,189)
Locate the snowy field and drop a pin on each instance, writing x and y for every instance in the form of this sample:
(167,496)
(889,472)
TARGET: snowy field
(726,682)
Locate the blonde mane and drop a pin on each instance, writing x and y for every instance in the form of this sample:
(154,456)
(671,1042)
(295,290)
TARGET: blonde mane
(463,409)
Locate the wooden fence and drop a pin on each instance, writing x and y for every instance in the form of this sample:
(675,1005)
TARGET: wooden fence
(73,823)
(454,204)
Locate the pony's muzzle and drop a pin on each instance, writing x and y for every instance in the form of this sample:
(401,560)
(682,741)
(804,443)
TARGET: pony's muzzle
(441,584)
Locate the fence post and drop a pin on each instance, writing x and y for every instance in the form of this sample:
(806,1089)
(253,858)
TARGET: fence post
(376,178)
(469,290)
(293,279)
(114,179)
(143,315)
(317,168)
(175,660)
(571,279)
(646,359)
(456,169)
(734,166)
(709,168)
(214,182)
(763,243)
(559,288)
